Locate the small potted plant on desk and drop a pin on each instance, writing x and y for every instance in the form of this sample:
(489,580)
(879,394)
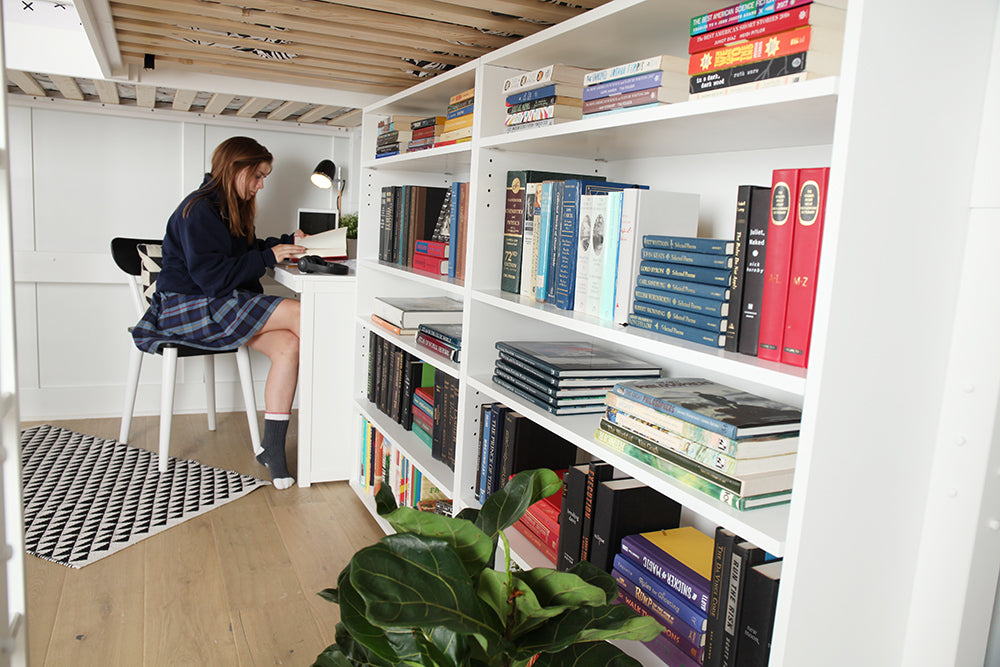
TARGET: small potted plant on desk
(426,595)
(350,220)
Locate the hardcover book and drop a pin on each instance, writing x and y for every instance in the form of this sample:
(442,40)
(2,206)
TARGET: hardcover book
(695,304)
(571,516)
(683,287)
(674,640)
(509,363)
(744,557)
(716,407)
(668,597)
(680,557)
(541,77)
(578,408)
(689,244)
(759,603)
(777,263)
(659,62)
(753,272)
(811,14)
(743,196)
(654,608)
(739,13)
(624,507)
(688,258)
(598,471)
(529,382)
(721,555)
(578,359)
(695,274)
(527,445)
(411,312)
(551,90)
(668,328)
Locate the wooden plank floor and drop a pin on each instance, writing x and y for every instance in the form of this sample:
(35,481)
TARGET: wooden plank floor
(235,586)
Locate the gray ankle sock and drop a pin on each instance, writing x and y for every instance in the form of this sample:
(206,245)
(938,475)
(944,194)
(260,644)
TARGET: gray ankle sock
(273,456)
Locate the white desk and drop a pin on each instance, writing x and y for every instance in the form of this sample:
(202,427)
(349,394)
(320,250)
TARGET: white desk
(326,372)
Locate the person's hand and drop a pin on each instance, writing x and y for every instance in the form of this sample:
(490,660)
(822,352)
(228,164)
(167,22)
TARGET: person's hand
(299,234)
(284,251)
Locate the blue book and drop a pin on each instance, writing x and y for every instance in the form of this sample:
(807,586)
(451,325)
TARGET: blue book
(689,244)
(569,233)
(683,287)
(669,598)
(675,300)
(484,446)
(456,191)
(457,113)
(540,93)
(497,419)
(696,274)
(544,241)
(692,334)
(628,84)
(686,317)
(419,401)
(688,258)
(555,208)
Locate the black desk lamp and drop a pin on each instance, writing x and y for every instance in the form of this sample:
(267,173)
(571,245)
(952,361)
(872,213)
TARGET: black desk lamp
(326,175)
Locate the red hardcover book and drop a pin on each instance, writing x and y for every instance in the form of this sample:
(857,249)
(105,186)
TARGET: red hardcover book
(433,248)
(777,262)
(426,393)
(437,346)
(422,418)
(808,238)
(758,27)
(538,542)
(424,262)
(540,526)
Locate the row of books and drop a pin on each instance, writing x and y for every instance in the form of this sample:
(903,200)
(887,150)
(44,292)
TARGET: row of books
(425,227)
(778,242)
(753,45)
(400,133)
(415,395)
(382,463)
(565,377)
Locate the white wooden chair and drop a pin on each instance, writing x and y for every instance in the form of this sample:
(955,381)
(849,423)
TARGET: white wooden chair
(140,260)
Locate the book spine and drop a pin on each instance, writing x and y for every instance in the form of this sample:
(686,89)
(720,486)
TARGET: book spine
(622,100)
(804,265)
(584,253)
(497,414)
(551,203)
(739,260)
(568,227)
(432,248)
(677,411)
(700,336)
(758,70)
(656,609)
(667,596)
(529,242)
(684,287)
(759,603)
(450,341)
(598,472)
(513,229)
(486,421)
(422,418)
(622,71)
(430,263)
(664,567)
(531,95)
(682,643)
(777,262)
(462,96)
(756,84)
(423,433)
(745,555)
(687,258)
(626,85)
(546,532)
(459,112)
(535,540)
(685,317)
(422,403)
(769,46)
(676,425)
(697,274)
(753,272)
(453,229)
(688,244)
(749,30)
(571,517)
(436,346)
(610,276)
(740,13)
(722,552)
(677,301)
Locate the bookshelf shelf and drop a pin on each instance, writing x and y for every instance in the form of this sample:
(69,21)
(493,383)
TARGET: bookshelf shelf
(409,343)
(902,163)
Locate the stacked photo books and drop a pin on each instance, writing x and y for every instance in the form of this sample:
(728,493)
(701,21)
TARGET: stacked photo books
(648,82)
(735,446)
(565,377)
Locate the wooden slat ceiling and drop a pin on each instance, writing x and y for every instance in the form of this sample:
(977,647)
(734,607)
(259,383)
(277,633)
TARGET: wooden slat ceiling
(365,46)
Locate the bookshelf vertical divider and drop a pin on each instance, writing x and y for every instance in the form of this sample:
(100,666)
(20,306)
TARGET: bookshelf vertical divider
(871,396)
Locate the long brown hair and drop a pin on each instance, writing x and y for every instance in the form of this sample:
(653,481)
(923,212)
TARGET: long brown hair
(230,158)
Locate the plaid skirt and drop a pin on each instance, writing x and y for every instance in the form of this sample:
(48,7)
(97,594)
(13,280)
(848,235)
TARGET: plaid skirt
(207,323)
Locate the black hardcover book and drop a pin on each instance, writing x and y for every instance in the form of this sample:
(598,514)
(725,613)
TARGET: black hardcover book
(525,380)
(509,362)
(396,383)
(498,418)
(483,454)
(372,355)
(450,426)
(753,271)
(626,507)
(571,516)
(385,222)
(759,602)
(527,445)
(743,198)
(745,555)
(437,437)
(722,555)
(599,472)
(383,384)
(414,368)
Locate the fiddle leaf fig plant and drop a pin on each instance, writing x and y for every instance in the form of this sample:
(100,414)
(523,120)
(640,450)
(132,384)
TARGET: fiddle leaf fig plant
(427,596)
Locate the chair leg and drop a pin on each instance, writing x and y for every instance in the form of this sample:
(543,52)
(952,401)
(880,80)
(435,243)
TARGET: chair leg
(131,387)
(210,389)
(246,382)
(167,403)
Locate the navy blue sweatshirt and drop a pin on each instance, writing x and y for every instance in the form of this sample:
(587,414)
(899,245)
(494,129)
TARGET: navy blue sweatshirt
(201,257)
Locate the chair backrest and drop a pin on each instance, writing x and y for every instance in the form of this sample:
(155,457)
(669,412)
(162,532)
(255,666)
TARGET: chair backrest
(140,259)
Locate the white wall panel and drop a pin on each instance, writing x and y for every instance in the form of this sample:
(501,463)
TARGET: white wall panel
(22,202)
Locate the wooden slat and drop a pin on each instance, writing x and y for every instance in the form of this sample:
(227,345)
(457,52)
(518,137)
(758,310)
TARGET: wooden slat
(26,82)
(285,110)
(68,86)
(350,119)
(252,106)
(375,51)
(530,9)
(183,99)
(315,113)
(218,102)
(107,91)
(145,96)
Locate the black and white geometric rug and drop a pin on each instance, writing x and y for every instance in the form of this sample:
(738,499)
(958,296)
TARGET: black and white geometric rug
(86,498)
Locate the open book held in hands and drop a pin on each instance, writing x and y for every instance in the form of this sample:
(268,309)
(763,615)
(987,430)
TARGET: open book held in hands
(331,244)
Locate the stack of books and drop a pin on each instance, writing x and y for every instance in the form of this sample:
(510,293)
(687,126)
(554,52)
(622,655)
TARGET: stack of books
(542,97)
(394,135)
(442,339)
(757,45)
(540,523)
(735,446)
(565,377)
(422,412)
(666,574)
(683,288)
(432,255)
(457,126)
(408,313)
(424,132)
(649,82)
(741,603)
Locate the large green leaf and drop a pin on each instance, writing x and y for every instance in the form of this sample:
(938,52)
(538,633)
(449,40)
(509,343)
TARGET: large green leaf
(443,647)
(587,655)
(595,576)
(590,624)
(357,626)
(503,508)
(384,500)
(473,546)
(561,589)
(415,581)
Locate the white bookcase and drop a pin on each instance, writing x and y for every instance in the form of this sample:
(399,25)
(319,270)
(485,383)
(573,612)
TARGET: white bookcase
(900,129)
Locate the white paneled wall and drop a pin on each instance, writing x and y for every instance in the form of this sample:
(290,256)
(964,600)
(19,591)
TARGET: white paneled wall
(79,179)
